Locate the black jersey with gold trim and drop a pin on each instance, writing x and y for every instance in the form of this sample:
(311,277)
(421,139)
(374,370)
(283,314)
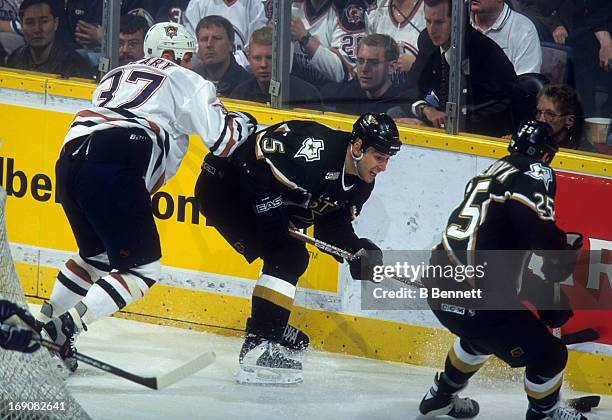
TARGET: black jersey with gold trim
(509,206)
(304,161)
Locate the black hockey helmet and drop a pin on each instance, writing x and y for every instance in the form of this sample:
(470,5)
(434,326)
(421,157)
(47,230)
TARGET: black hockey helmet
(378,131)
(533,139)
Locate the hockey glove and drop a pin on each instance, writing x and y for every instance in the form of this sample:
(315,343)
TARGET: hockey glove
(16,328)
(554,318)
(558,266)
(370,256)
(246,121)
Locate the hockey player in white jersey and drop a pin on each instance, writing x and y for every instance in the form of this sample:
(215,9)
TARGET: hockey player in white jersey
(115,154)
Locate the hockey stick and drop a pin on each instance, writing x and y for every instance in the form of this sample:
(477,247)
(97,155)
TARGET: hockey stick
(153,382)
(339,252)
(582,336)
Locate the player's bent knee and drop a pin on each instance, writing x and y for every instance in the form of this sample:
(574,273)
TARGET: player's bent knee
(291,260)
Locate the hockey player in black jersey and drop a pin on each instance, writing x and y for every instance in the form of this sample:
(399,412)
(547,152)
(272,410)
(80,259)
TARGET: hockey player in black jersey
(293,174)
(508,208)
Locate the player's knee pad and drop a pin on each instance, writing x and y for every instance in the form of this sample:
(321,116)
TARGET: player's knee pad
(549,361)
(291,260)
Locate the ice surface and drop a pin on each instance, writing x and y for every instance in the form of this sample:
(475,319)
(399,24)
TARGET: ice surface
(335,386)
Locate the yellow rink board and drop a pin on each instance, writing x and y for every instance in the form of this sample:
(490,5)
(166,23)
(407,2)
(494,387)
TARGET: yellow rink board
(199,310)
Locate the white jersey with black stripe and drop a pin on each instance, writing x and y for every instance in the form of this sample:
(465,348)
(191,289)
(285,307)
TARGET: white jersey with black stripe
(169,102)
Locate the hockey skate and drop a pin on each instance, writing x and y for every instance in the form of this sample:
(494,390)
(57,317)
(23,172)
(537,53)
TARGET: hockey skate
(442,400)
(265,362)
(558,413)
(63,332)
(294,339)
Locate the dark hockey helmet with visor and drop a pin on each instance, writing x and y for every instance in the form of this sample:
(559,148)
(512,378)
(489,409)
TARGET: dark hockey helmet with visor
(378,131)
(533,139)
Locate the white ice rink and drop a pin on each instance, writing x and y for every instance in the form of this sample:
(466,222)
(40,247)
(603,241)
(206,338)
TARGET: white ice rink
(335,386)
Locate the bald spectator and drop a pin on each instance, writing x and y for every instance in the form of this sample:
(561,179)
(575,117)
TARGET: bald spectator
(41,52)
(257,88)
(513,32)
(132,30)
(215,36)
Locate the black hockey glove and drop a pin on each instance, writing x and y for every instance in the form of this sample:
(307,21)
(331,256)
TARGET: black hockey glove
(558,266)
(555,319)
(370,256)
(16,328)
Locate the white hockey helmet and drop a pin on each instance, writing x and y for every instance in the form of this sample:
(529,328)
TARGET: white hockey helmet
(168,36)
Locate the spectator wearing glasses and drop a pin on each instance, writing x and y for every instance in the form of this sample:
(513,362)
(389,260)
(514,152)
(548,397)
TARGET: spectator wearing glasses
(373,89)
(132,30)
(560,108)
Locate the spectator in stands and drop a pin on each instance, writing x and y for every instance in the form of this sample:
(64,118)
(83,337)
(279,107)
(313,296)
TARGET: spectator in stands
(172,11)
(325,35)
(585,26)
(490,82)
(245,16)
(11,37)
(41,51)
(513,32)
(215,36)
(402,20)
(257,87)
(132,30)
(559,107)
(372,90)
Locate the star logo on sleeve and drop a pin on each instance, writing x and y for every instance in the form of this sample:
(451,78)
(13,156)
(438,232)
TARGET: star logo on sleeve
(541,172)
(311,149)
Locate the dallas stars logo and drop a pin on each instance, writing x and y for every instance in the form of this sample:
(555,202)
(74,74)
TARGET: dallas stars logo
(541,172)
(311,149)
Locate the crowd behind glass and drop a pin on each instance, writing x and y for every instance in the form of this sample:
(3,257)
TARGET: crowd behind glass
(545,59)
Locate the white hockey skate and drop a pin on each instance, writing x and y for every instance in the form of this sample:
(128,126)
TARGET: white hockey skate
(558,413)
(63,331)
(267,363)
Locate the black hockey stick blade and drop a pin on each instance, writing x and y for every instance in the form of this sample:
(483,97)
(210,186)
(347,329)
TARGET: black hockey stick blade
(153,382)
(584,404)
(582,336)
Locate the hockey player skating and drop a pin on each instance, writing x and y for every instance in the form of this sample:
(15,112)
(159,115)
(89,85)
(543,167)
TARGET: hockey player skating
(509,206)
(116,153)
(293,174)
(17,328)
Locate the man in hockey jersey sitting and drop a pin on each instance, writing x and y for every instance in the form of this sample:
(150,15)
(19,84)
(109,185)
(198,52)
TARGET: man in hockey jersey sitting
(506,216)
(292,174)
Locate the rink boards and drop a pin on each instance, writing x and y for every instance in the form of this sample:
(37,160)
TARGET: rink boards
(206,285)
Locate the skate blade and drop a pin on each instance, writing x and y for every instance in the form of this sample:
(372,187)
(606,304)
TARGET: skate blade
(257,375)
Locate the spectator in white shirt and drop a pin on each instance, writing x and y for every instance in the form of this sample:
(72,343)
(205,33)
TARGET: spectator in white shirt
(513,32)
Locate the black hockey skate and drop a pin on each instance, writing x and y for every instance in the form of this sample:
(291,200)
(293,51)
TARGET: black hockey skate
(63,332)
(558,413)
(442,400)
(294,339)
(266,362)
